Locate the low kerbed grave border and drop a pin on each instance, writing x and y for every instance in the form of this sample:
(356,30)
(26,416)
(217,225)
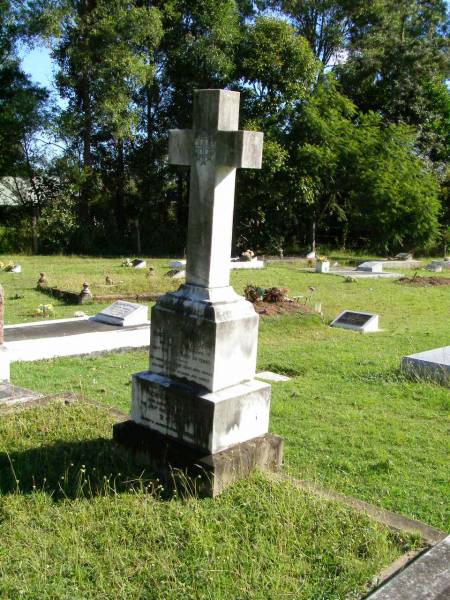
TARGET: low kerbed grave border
(70,297)
(430,536)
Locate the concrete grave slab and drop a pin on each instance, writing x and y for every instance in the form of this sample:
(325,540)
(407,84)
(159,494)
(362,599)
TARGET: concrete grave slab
(269,376)
(426,578)
(346,272)
(431,364)
(247,264)
(123,313)
(11,395)
(371,266)
(357,321)
(70,337)
(177,264)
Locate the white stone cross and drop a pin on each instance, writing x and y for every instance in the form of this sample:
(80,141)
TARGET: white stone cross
(214,148)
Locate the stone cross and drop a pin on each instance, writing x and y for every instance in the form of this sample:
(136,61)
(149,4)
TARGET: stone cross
(2,314)
(214,148)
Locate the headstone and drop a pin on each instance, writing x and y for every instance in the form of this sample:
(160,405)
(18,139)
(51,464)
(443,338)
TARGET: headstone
(16,269)
(311,254)
(4,358)
(431,364)
(357,321)
(201,392)
(85,294)
(42,281)
(371,266)
(436,266)
(403,256)
(138,263)
(323,266)
(177,264)
(123,313)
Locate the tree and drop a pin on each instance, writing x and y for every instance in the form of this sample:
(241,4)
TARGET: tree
(104,53)
(20,101)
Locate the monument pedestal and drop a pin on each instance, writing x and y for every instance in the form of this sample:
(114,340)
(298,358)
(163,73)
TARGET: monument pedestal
(208,421)
(209,474)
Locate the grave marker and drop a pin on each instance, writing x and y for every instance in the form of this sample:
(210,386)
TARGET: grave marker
(201,392)
(123,313)
(357,321)
(431,364)
(371,266)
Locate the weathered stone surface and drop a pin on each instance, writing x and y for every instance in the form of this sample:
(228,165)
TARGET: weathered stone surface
(210,474)
(427,578)
(210,421)
(11,395)
(70,337)
(214,149)
(431,364)
(204,342)
(201,389)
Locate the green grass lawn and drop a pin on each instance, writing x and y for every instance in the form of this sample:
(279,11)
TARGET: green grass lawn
(351,421)
(77,522)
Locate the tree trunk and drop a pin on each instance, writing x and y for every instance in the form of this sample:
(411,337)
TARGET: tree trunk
(34,228)
(120,189)
(138,237)
(313,235)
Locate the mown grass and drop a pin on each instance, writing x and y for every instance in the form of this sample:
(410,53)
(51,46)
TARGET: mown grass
(78,522)
(350,419)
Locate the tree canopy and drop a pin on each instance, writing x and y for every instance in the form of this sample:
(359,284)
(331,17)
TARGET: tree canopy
(352,96)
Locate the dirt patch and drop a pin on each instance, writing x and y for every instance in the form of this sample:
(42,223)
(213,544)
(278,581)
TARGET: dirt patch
(420,281)
(270,309)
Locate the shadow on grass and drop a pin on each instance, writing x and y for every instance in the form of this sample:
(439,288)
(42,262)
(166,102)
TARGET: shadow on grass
(69,470)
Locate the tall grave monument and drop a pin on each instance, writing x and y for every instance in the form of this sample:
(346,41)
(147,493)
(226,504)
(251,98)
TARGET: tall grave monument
(199,403)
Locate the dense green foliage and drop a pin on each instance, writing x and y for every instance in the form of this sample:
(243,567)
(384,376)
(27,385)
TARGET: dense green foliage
(350,94)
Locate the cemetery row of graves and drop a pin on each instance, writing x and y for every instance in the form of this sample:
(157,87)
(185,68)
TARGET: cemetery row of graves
(351,422)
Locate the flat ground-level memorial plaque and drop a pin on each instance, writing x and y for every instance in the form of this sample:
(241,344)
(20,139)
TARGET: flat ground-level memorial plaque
(356,321)
(200,402)
(125,314)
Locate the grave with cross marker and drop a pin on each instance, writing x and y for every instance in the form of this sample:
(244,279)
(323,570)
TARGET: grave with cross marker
(200,401)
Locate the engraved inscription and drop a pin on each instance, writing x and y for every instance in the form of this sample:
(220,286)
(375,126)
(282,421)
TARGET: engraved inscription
(204,148)
(120,309)
(191,362)
(350,318)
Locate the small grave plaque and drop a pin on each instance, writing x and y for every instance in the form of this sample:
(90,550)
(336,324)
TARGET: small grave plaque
(123,313)
(357,321)
(138,263)
(404,256)
(371,266)
(177,264)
